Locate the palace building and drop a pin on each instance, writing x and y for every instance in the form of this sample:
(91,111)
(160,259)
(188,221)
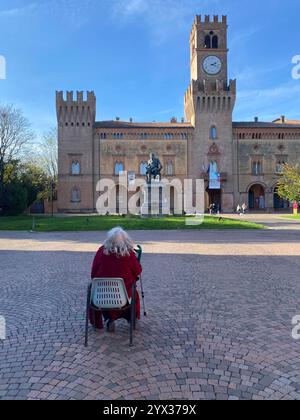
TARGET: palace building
(241,162)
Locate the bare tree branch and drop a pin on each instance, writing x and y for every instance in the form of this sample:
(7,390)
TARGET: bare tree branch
(15,135)
(48,154)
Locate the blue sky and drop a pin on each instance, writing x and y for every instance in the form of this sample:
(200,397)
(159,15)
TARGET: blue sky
(135,55)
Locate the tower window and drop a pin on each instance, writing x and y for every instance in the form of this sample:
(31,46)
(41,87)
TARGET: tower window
(75,195)
(213,133)
(75,168)
(215,42)
(211,41)
(207,41)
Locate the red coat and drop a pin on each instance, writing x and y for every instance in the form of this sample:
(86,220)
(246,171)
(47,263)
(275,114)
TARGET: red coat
(111,266)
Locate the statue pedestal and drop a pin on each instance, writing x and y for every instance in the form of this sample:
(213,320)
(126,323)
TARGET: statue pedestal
(155,200)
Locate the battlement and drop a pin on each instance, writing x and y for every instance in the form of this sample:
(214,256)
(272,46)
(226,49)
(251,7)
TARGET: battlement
(81,97)
(76,110)
(208,22)
(215,87)
(209,97)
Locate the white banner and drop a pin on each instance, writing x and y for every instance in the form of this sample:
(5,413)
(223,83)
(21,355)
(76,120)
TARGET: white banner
(214,177)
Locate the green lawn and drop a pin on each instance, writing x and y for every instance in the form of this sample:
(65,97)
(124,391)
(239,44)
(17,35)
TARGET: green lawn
(98,223)
(292,217)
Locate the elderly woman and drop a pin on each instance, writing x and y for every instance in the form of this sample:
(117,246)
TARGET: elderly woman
(116,259)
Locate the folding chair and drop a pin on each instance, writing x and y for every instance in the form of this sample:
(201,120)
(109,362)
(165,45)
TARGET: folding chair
(108,294)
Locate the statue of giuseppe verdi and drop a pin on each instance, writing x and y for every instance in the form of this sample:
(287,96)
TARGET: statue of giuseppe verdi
(154,168)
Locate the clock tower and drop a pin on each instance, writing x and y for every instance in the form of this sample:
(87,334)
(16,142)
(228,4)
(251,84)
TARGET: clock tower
(209,103)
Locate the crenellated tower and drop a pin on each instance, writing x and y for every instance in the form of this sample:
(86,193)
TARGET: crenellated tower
(209,103)
(76,121)
(76,112)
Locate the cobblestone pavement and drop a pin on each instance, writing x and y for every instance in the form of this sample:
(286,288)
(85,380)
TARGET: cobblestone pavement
(276,221)
(219,305)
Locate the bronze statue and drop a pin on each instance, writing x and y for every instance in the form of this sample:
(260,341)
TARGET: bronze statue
(154,168)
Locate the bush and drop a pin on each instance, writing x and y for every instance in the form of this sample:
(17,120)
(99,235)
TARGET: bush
(14,199)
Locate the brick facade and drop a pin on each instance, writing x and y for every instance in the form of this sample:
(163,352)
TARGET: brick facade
(248,155)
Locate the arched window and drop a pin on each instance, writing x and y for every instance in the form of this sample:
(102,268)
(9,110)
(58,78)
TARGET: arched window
(256,168)
(215,42)
(211,41)
(207,41)
(119,167)
(213,133)
(143,168)
(75,195)
(280,167)
(75,168)
(169,168)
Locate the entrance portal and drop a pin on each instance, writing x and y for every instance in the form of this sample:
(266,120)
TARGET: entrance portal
(214,197)
(257,199)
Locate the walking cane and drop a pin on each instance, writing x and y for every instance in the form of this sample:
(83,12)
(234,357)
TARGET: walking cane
(139,252)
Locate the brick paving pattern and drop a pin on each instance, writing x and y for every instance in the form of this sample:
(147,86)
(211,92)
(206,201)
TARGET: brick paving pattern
(219,305)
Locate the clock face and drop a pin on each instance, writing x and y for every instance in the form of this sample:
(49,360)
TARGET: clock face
(212,65)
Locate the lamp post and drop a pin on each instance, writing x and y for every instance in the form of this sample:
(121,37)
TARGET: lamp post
(52,194)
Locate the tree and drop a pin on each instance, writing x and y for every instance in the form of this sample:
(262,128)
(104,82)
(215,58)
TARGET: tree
(24,183)
(15,136)
(35,181)
(48,153)
(14,199)
(289,184)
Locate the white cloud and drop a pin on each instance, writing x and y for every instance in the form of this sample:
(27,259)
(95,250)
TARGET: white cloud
(269,103)
(281,92)
(133,7)
(255,74)
(241,37)
(18,11)
(164,17)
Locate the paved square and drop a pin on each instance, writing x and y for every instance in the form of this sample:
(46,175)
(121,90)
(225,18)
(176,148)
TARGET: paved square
(219,305)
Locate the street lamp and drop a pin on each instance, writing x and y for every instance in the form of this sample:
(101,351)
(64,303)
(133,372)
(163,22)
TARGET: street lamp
(52,196)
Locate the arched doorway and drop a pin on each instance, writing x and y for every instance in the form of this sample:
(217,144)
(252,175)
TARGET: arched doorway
(214,197)
(257,197)
(280,203)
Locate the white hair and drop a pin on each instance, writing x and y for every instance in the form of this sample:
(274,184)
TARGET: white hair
(118,242)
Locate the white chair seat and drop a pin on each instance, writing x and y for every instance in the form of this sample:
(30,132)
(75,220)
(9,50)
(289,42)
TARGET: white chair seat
(109,293)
